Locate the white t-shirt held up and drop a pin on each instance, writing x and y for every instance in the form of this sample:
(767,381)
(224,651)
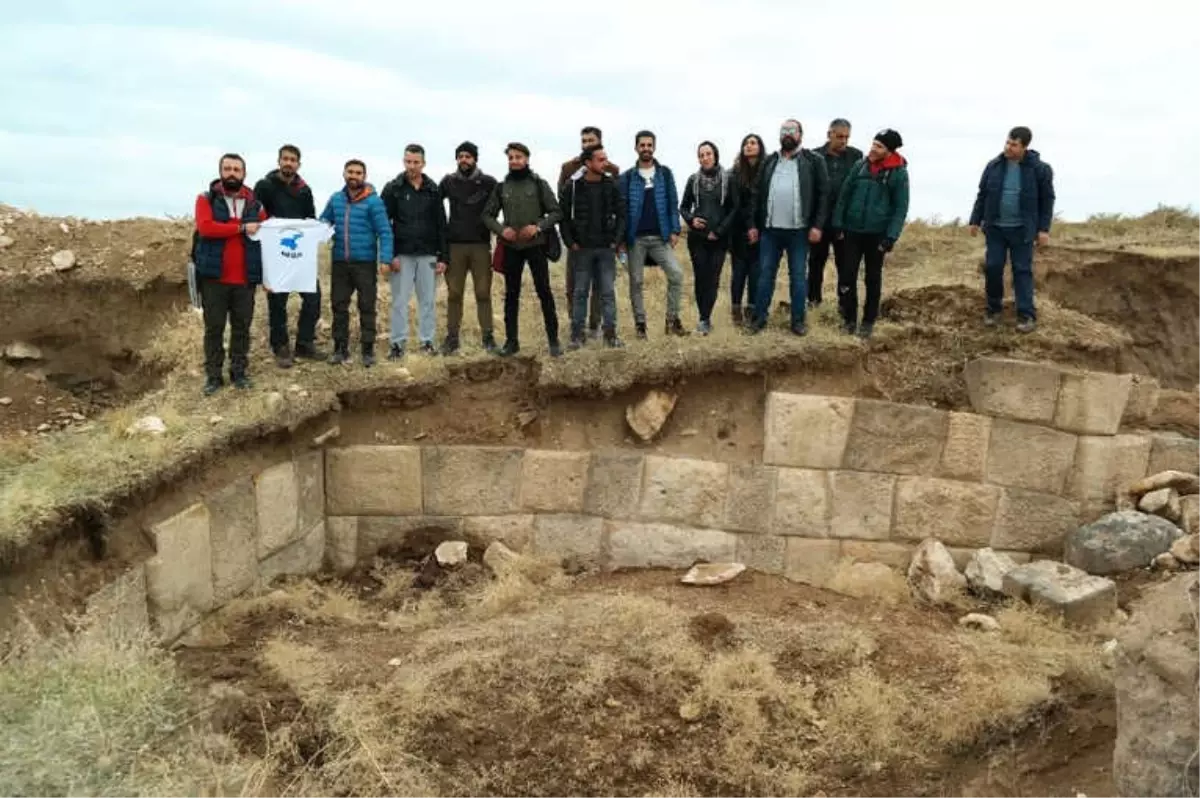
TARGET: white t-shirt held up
(289,252)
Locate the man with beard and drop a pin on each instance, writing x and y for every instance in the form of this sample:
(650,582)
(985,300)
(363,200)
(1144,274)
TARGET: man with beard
(839,157)
(285,195)
(468,189)
(418,218)
(530,210)
(589,137)
(362,243)
(793,202)
(651,230)
(229,266)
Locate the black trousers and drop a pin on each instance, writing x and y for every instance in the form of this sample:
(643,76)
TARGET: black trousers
(707,259)
(860,248)
(348,278)
(818,254)
(745,259)
(306,327)
(232,304)
(515,261)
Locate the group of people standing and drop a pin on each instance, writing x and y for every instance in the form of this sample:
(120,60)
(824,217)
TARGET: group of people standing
(801,202)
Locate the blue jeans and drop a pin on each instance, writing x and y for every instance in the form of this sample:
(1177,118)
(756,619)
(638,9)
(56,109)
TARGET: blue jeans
(772,244)
(1009,243)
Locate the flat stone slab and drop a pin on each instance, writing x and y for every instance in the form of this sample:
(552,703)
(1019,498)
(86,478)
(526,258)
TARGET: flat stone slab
(1015,389)
(712,573)
(806,431)
(1077,596)
(1092,402)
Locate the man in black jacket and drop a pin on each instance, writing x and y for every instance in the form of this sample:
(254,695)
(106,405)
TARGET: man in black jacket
(284,194)
(839,158)
(468,189)
(592,226)
(418,218)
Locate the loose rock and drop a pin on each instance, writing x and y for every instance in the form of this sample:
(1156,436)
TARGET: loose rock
(498,557)
(1164,503)
(214,420)
(451,553)
(66,228)
(6,242)
(647,417)
(1063,589)
(1165,562)
(712,573)
(1119,542)
(5,401)
(147,425)
(1186,550)
(932,573)
(985,571)
(326,436)
(1187,485)
(19,351)
(63,260)
(43,427)
(977,620)
(1190,509)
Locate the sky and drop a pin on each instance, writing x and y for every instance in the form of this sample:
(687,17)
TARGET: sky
(122,108)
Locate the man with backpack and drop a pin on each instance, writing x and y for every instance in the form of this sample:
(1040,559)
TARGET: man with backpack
(792,204)
(228,267)
(527,237)
(285,195)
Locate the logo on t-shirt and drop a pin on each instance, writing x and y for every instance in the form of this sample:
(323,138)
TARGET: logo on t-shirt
(287,240)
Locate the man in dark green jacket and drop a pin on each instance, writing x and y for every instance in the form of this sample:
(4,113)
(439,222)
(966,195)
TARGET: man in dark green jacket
(840,158)
(870,212)
(530,212)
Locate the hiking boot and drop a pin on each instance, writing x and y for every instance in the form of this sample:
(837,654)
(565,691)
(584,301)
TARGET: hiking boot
(241,382)
(756,326)
(991,319)
(675,327)
(341,354)
(575,344)
(739,315)
(428,349)
(368,356)
(849,328)
(865,331)
(1026,325)
(450,345)
(800,329)
(283,357)
(489,343)
(641,331)
(510,348)
(212,385)
(555,349)
(612,341)
(308,352)
(703,328)
(396,352)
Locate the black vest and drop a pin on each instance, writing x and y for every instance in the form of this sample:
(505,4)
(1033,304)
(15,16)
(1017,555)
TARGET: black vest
(208,252)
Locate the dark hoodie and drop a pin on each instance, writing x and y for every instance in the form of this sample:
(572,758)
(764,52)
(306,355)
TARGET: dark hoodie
(1037,194)
(874,198)
(285,200)
(467,195)
(417,216)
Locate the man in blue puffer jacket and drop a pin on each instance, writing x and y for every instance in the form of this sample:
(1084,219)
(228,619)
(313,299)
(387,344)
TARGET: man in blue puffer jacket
(362,244)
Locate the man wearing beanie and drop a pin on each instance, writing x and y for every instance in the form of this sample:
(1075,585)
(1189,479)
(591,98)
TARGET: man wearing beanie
(1015,207)
(589,137)
(870,214)
(468,190)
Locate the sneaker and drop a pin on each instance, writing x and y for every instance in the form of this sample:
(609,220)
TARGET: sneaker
(739,317)
(756,326)
(800,329)
(555,349)
(864,332)
(283,357)
(241,382)
(849,328)
(675,327)
(1026,325)
(991,319)
(704,328)
(576,342)
(450,345)
(212,385)
(597,333)
(489,343)
(612,341)
(510,348)
(340,356)
(308,352)
(641,331)
(396,352)
(428,349)
(368,357)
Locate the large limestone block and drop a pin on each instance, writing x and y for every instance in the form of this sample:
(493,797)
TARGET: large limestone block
(965,454)
(277,501)
(861,505)
(179,585)
(1029,456)
(233,525)
(634,545)
(893,555)
(579,538)
(802,503)
(310,482)
(1173,452)
(895,438)
(554,481)
(766,553)
(471,480)
(614,485)
(373,480)
(750,502)
(414,533)
(956,513)
(514,531)
(341,543)
(1092,402)
(1078,597)
(1031,521)
(1014,389)
(1105,465)
(303,557)
(683,490)
(812,562)
(806,431)
(1143,400)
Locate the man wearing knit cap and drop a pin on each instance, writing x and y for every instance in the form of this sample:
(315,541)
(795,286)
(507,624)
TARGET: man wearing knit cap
(870,213)
(468,188)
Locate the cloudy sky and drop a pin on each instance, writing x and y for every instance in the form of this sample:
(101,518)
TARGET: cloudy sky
(122,108)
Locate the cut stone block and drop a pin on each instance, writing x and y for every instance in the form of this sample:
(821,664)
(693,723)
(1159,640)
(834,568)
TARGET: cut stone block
(1143,399)
(965,454)
(614,485)
(766,553)
(341,543)
(373,480)
(179,584)
(633,545)
(985,571)
(1106,465)
(812,562)
(862,504)
(802,503)
(575,537)
(419,534)
(514,531)
(895,438)
(471,480)
(1030,521)
(277,501)
(686,491)
(1092,402)
(806,431)
(301,558)
(1014,389)
(748,505)
(1028,456)
(1173,452)
(893,555)
(553,481)
(310,481)
(1079,598)
(233,525)
(956,513)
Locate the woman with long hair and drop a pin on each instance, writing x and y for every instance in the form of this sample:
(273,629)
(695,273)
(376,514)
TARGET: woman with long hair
(707,207)
(744,182)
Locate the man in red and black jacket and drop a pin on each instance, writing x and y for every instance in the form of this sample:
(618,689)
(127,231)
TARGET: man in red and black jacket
(229,267)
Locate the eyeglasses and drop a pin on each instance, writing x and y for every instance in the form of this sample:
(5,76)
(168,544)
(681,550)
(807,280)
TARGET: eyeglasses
(789,129)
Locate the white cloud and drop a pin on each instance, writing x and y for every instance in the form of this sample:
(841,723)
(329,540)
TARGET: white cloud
(124,110)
